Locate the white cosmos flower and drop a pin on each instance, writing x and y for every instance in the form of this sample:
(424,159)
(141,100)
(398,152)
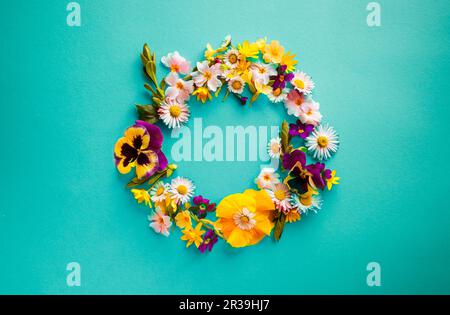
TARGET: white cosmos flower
(176,63)
(207,74)
(302,82)
(178,88)
(281,196)
(322,142)
(236,85)
(314,206)
(181,190)
(159,192)
(309,112)
(173,113)
(244,219)
(267,178)
(274,148)
(232,58)
(261,72)
(278,95)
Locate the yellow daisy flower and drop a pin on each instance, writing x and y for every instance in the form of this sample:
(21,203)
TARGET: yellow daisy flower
(273,52)
(248,50)
(333,180)
(193,236)
(141,195)
(288,60)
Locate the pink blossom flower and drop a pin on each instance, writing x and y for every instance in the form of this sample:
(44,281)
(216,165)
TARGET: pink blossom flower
(178,89)
(176,63)
(207,74)
(160,222)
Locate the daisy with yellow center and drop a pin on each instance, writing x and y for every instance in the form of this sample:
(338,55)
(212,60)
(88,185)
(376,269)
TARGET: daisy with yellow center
(293,215)
(236,85)
(302,83)
(141,195)
(193,236)
(278,95)
(274,148)
(232,58)
(273,52)
(173,113)
(281,196)
(159,192)
(314,205)
(322,142)
(181,190)
(245,219)
(267,178)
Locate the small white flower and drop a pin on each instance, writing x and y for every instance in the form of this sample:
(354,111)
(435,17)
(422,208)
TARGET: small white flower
(244,219)
(281,196)
(314,206)
(232,58)
(309,112)
(178,88)
(302,82)
(322,142)
(159,192)
(278,95)
(261,72)
(181,189)
(267,178)
(173,113)
(207,74)
(274,148)
(236,85)
(176,63)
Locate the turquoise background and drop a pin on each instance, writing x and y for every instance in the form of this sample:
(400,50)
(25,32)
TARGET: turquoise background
(68,93)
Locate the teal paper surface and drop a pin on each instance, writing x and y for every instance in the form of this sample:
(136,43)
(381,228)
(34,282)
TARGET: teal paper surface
(68,93)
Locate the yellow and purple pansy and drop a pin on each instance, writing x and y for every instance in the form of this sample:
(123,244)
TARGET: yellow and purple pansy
(140,147)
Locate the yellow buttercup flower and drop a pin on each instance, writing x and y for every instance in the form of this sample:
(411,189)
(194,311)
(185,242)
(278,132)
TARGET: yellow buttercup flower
(333,180)
(288,60)
(202,94)
(273,52)
(261,43)
(245,218)
(262,88)
(141,195)
(292,216)
(183,219)
(193,236)
(210,52)
(248,50)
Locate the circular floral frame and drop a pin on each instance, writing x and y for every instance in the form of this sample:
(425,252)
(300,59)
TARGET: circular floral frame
(246,71)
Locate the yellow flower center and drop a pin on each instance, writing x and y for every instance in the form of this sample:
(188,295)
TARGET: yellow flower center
(266,177)
(232,58)
(175,111)
(174,68)
(245,219)
(180,85)
(281,77)
(280,194)
(322,141)
(277,92)
(300,130)
(299,83)
(160,191)
(262,70)
(182,190)
(207,75)
(236,85)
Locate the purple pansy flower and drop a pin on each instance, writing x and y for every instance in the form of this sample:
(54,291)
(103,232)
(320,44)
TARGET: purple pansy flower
(319,174)
(281,78)
(209,239)
(202,206)
(300,129)
(291,158)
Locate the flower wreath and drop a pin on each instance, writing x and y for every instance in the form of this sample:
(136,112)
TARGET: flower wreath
(242,219)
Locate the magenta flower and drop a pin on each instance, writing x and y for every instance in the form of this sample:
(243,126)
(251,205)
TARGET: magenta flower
(300,129)
(202,206)
(281,78)
(290,159)
(319,174)
(209,240)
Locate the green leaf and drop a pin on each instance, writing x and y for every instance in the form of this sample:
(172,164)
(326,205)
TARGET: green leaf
(254,97)
(284,135)
(147,113)
(279,226)
(304,149)
(136,182)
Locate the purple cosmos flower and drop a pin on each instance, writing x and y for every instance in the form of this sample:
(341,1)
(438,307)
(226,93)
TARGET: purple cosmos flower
(290,159)
(202,206)
(281,78)
(209,239)
(300,129)
(140,147)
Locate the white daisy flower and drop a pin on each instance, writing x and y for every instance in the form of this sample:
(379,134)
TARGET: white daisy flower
(274,148)
(322,142)
(261,72)
(278,95)
(244,219)
(302,82)
(232,58)
(267,178)
(314,206)
(173,113)
(207,74)
(309,112)
(159,192)
(236,85)
(181,189)
(281,196)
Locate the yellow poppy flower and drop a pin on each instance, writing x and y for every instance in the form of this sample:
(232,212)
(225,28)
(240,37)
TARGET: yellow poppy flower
(273,52)
(333,180)
(245,219)
(288,61)
(202,94)
(141,195)
(193,236)
(248,50)
(183,219)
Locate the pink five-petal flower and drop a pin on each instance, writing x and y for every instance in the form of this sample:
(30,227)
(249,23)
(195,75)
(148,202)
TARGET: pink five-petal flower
(207,74)
(176,63)
(160,222)
(178,89)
